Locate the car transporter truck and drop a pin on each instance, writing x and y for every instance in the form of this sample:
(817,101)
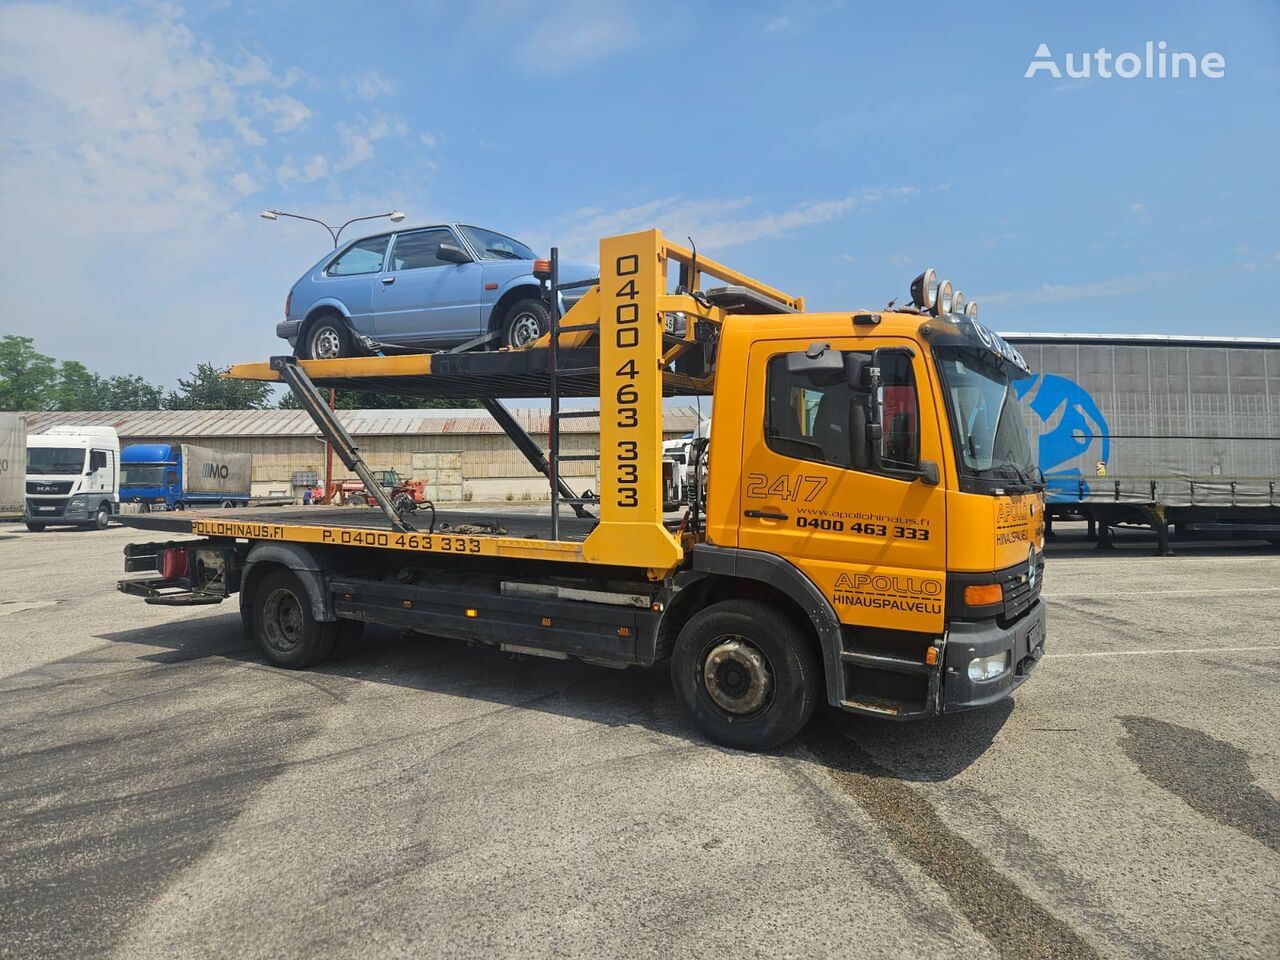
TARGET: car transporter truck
(865,524)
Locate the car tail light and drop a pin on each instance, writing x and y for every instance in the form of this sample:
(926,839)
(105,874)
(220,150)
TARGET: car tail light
(173,564)
(288,302)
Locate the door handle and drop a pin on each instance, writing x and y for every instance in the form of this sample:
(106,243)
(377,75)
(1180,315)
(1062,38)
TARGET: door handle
(765,515)
(388,281)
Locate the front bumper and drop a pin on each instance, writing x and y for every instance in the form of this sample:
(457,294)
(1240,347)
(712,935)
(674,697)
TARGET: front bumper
(1022,642)
(58,510)
(288,330)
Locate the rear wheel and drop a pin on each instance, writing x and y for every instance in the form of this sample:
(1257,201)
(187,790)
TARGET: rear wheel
(327,338)
(526,321)
(289,635)
(228,504)
(747,674)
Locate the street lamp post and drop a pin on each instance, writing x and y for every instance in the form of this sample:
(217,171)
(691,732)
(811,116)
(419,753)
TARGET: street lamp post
(394,215)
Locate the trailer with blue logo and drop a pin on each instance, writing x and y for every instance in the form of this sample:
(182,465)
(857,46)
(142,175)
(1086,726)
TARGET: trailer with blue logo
(175,476)
(1178,433)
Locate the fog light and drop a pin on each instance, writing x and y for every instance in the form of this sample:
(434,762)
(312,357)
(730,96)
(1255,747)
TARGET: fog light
(988,668)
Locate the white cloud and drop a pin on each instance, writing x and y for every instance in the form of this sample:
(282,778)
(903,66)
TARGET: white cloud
(572,34)
(713,224)
(779,25)
(371,84)
(1062,292)
(243,184)
(288,113)
(316,168)
(359,139)
(428,140)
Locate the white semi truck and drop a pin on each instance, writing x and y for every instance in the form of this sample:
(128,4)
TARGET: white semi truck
(73,477)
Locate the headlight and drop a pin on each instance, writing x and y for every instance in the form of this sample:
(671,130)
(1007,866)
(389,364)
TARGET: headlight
(76,502)
(924,289)
(957,302)
(971,309)
(988,668)
(943,306)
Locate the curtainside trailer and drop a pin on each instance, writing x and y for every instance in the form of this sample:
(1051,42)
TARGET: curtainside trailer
(865,527)
(1178,433)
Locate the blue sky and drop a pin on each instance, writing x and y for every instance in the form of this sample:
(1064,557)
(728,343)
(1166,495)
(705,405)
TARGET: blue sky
(830,148)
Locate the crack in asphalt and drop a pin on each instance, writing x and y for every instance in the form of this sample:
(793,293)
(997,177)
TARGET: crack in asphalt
(993,904)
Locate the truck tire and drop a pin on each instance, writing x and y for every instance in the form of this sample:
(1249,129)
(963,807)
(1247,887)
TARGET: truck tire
(747,674)
(102,518)
(35,527)
(289,635)
(524,323)
(228,504)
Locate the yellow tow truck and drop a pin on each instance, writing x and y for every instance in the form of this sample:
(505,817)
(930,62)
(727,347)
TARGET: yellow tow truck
(865,524)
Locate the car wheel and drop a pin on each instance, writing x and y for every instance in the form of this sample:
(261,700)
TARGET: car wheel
(327,339)
(102,518)
(526,321)
(283,625)
(748,676)
(35,527)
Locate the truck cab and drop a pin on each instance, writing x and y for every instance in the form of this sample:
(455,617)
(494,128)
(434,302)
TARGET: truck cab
(151,475)
(73,477)
(165,476)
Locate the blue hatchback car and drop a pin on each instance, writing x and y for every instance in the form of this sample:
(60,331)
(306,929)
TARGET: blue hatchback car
(425,288)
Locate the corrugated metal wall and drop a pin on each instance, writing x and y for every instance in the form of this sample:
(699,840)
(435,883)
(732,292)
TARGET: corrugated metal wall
(1193,419)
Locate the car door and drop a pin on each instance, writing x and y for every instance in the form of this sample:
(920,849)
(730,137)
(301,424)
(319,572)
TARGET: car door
(419,297)
(845,508)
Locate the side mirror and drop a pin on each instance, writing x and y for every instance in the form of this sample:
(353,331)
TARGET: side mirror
(929,473)
(452,253)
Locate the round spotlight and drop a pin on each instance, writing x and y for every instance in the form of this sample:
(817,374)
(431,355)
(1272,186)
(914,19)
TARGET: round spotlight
(957,303)
(943,306)
(924,289)
(971,309)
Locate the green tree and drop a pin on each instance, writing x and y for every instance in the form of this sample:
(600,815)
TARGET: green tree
(130,392)
(77,388)
(27,377)
(207,389)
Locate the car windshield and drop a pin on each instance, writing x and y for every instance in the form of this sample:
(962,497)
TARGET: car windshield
(49,460)
(991,439)
(142,475)
(494,246)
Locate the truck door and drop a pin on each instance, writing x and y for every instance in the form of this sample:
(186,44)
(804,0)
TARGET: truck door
(418,296)
(837,440)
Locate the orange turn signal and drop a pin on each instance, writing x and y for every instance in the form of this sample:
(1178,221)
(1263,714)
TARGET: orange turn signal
(983,594)
(542,269)
(931,656)
(472,612)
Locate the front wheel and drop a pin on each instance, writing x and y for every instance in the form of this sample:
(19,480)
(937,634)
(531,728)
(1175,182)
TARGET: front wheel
(526,321)
(35,527)
(102,517)
(289,635)
(747,674)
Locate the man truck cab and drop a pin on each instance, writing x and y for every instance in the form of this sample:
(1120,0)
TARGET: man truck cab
(73,477)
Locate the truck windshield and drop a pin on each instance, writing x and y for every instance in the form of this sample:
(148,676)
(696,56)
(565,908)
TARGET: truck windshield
(142,475)
(991,439)
(51,460)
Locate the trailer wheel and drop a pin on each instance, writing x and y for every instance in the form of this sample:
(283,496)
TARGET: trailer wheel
(525,322)
(283,625)
(747,674)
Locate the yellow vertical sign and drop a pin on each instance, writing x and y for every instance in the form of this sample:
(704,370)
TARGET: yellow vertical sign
(631,531)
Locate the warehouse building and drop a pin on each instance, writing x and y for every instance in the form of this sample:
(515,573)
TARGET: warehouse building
(458,454)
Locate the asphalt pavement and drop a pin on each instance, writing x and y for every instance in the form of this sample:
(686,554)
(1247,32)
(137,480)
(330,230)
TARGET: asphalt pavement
(164,793)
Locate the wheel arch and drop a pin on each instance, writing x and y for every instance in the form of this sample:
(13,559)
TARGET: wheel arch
(526,288)
(326,308)
(264,557)
(728,573)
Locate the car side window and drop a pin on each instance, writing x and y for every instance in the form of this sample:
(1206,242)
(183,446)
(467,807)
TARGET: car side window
(365,256)
(421,248)
(824,418)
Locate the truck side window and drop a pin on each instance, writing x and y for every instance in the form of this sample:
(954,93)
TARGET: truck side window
(97,460)
(170,477)
(826,421)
